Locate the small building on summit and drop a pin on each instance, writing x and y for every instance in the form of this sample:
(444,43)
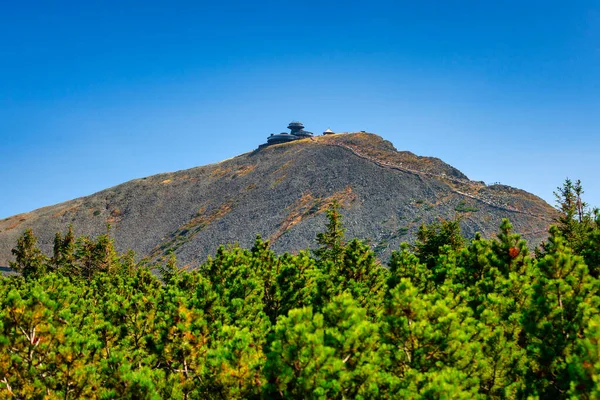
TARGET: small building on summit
(297,129)
(297,132)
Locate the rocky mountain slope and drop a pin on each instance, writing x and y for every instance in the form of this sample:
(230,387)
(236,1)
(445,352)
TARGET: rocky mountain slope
(281,193)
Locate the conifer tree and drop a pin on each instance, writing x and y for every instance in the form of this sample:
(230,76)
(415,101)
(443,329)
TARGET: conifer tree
(431,238)
(499,282)
(575,220)
(433,340)
(361,275)
(331,242)
(29,260)
(169,270)
(63,258)
(96,255)
(565,297)
(297,282)
(584,363)
(331,355)
(591,249)
(405,264)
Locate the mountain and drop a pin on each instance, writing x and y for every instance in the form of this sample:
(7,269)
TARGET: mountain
(281,192)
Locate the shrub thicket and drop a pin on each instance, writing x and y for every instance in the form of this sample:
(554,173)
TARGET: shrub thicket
(448,317)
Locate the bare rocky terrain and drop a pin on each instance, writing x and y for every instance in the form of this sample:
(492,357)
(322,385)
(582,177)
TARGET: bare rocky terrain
(281,193)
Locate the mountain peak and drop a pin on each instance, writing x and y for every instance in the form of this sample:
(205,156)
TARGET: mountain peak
(281,191)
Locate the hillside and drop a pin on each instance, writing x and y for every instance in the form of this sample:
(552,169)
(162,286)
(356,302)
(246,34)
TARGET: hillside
(281,192)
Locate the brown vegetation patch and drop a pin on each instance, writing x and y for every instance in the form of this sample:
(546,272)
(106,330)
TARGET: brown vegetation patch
(14,221)
(280,174)
(203,219)
(166,181)
(220,172)
(65,210)
(115,216)
(277,181)
(243,170)
(282,168)
(194,226)
(444,199)
(309,206)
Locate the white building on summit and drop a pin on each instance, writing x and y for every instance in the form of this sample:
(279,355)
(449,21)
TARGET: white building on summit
(296,132)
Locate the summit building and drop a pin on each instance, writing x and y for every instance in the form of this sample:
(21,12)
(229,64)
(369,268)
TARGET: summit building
(296,132)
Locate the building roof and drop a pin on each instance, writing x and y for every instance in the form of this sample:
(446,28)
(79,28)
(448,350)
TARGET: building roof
(297,132)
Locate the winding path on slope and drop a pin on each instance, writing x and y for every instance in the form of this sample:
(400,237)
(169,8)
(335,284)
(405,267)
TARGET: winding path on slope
(385,164)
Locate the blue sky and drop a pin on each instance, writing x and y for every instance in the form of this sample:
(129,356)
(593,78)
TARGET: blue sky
(93,94)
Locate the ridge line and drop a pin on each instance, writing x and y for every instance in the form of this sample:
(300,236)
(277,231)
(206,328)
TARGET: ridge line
(383,164)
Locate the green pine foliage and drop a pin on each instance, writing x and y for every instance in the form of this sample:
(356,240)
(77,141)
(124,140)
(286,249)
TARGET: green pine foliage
(575,219)
(444,318)
(29,260)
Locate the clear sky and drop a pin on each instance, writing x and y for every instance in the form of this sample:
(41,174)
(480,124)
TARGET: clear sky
(95,93)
